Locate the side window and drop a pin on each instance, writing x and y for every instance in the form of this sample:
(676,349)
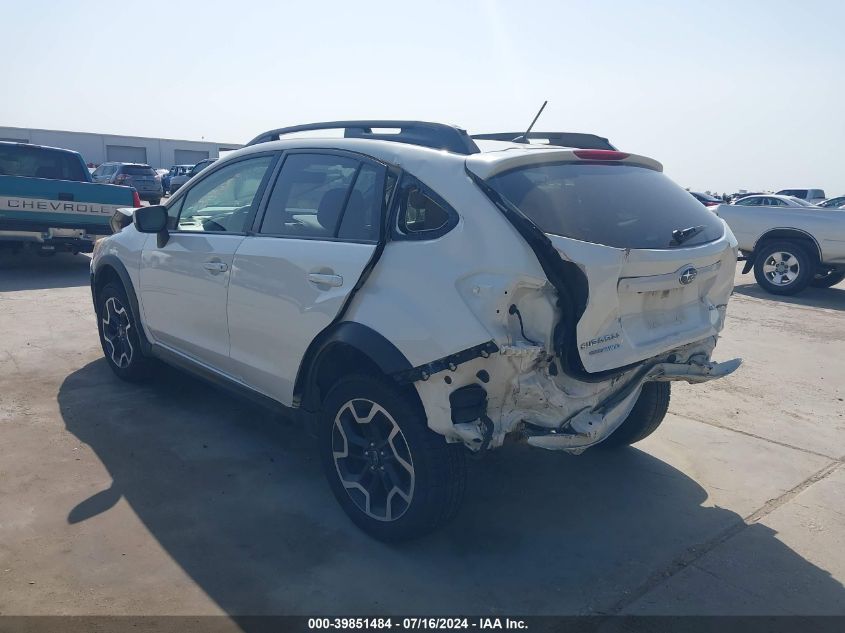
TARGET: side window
(310,194)
(775,202)
(420,214)
(749,202)
(362,215)
(224,201)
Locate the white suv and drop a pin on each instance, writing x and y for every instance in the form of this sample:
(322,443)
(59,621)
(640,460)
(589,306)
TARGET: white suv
(416,298)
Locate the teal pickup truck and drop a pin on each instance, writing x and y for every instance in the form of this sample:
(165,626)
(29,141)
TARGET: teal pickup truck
(48,201)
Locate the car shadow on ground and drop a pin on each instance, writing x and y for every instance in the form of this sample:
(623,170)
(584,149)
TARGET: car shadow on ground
(830,298)
(29,271)
(236,496)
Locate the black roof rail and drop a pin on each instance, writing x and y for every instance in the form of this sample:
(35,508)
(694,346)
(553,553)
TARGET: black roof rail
(563,139)
(434,135)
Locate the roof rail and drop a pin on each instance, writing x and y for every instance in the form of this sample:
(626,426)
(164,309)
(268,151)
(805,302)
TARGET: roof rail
(434,135)
(563,139)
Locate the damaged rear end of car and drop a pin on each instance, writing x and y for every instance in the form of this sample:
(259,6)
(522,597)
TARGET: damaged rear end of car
(630,287)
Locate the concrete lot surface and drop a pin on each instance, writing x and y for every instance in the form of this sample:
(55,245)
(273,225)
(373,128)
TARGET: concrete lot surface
(174,498)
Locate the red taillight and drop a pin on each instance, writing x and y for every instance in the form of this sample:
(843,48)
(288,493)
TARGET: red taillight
(710,203)
(600,154)
(136,199)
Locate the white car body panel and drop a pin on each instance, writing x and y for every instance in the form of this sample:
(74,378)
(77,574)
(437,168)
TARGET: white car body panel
(184,302)
(275,310)
(436,297)
(826,227)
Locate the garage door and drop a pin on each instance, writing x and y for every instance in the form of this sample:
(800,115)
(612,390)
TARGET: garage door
(188,156)
(126,154)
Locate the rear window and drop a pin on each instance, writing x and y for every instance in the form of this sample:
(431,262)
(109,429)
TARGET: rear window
(616,205)
(795,193)
(137,170)
(37,162)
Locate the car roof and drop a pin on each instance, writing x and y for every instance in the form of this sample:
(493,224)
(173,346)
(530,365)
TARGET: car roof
(494,157)
(33,146)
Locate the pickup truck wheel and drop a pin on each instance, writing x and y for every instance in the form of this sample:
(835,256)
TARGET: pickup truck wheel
(392,475)
(645,417)
(827,280)
(783,268)
(119,335)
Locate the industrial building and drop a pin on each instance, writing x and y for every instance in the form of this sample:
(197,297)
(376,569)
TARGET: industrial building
(100,148)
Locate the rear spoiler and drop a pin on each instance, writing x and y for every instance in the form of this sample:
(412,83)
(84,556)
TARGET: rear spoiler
(561,139)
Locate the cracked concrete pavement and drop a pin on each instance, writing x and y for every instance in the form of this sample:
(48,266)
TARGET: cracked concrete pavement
(174,498)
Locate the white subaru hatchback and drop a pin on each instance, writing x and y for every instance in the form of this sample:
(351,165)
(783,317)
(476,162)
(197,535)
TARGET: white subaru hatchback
(416,294)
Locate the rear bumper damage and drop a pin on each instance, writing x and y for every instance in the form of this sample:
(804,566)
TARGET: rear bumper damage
(592,425)
(519,392)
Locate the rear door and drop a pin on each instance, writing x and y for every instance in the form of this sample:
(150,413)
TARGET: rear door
(319,230)
(184,282)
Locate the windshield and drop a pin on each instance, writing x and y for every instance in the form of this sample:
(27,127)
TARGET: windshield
(38,162)
(623,206)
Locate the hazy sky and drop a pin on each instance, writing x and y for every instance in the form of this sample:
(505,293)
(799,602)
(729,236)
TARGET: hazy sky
(727,95)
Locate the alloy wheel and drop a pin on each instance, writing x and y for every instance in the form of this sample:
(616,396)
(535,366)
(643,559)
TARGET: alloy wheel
(372,459)
(116,325)
(781,268)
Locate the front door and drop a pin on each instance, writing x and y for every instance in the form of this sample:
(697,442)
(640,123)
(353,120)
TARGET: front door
(289,281)
(184,282)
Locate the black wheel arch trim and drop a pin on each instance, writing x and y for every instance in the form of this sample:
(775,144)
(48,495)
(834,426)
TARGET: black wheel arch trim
(358,336)
(114,263)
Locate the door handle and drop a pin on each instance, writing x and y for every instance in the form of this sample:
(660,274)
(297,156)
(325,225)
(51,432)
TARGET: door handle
(325,279)
(216,267)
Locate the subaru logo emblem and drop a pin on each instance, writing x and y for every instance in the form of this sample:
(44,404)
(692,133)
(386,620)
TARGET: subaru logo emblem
(688,275)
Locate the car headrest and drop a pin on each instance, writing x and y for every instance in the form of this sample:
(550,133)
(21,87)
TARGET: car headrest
(331,206)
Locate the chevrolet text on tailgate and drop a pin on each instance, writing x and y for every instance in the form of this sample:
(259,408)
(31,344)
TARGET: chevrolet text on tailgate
(417,295)
(48,201)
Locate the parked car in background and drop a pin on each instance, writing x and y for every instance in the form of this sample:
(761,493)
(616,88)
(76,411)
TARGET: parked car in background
(201,165)
(833,203)
(771,200)
(352,280)
(789,243)
(706,199)
(176,177)
(812,196)
(138,175)
(49,202)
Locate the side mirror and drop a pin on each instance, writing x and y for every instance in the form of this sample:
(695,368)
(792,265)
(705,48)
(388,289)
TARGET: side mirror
(152,219)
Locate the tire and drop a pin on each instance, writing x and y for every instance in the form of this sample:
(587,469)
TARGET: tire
(783,267)
(827,280)
(426,475)
(645,417)
(155,201)
(119,335)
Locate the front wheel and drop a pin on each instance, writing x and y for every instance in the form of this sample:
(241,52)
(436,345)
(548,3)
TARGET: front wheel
(828,279)
(119,335)
(783,268)
(644,418)
(392,475)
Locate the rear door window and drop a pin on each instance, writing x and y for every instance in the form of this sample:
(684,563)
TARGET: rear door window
(623,206)
(326,196)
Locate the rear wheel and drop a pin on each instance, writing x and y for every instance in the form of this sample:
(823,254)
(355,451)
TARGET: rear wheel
(119,335)
(827,279)
(783,268)
(155,201)
(645,417)
(393,476)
